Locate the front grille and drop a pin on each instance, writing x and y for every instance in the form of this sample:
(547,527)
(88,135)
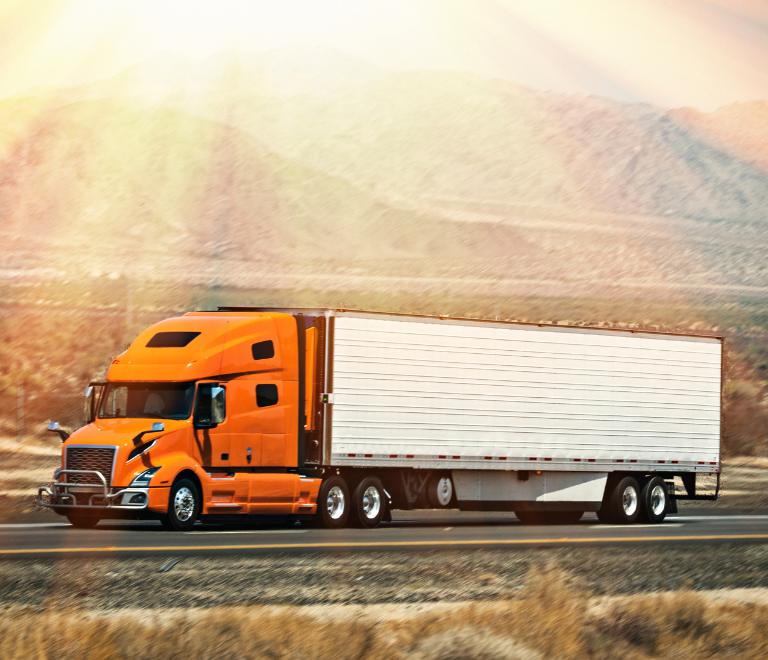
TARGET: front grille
(90,458)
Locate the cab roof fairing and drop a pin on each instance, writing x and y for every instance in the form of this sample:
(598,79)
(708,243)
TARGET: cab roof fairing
(223,347)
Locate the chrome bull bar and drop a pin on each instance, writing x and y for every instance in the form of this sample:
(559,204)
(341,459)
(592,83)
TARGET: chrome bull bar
(58,493)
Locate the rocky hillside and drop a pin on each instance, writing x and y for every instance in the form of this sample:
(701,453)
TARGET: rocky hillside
(109,179)
(225,170)
(422,135)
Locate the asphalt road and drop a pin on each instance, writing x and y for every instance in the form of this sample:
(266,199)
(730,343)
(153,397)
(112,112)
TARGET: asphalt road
(436,532)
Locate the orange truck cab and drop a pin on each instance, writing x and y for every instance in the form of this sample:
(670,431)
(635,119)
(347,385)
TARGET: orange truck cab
(204,417)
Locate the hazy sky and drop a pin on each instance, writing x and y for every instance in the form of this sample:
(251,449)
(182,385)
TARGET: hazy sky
(671,53)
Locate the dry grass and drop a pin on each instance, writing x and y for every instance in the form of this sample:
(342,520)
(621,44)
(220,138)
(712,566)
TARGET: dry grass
(548,619)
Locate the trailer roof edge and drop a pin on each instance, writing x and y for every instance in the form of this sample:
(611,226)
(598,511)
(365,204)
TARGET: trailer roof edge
(316,311)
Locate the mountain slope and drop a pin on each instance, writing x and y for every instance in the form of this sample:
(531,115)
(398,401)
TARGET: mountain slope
(422,135)
(107,178)
(740,129)
(427,134)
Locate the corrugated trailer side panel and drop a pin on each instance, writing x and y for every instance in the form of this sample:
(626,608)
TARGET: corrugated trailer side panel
(475,395)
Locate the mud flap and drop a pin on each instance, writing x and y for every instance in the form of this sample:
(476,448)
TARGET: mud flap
(671,499)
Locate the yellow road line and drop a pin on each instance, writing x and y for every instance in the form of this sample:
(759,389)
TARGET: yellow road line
(399,544)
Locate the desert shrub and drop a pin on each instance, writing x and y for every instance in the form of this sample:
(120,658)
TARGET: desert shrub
(472,644)
(745,419)
(551,620)
(553,613)
(740,389)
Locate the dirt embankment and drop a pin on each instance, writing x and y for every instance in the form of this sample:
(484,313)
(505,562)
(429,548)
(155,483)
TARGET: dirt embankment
(552,615)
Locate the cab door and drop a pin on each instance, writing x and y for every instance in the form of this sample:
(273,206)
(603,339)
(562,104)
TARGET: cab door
(246,431)
(271,407)
(258,436)
(212,433)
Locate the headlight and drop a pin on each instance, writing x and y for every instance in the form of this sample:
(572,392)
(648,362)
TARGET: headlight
(144,478)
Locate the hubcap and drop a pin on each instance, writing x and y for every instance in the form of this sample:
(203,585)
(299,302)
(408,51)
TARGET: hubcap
(371,502)
(184,504)
(335,502)
(444,491)
(629,500)
(658,500)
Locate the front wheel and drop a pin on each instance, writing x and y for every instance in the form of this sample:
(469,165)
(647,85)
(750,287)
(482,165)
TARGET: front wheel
(183,506)
(84,520)
(333,503)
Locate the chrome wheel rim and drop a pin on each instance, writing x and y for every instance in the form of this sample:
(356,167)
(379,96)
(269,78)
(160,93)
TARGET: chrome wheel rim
(335,502)
(658,500)
(371,502)
(629,500)
(444,491)
(184,504)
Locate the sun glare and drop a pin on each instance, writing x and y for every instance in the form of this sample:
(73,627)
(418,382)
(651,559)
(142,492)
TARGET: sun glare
(671,54)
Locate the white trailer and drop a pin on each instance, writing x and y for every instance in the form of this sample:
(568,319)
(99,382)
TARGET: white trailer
(547,421)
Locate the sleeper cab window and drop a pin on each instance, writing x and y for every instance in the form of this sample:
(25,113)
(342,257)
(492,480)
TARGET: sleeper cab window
(263,350)
(266,395)
(171,339)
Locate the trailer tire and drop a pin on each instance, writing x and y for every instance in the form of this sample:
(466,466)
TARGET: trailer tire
(549,517)
(184,504)
(333,503)
(623,504)
(653,500)
(368,503)
(440,490)
(83,520)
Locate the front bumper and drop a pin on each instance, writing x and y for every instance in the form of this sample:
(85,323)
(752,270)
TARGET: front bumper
(64,495)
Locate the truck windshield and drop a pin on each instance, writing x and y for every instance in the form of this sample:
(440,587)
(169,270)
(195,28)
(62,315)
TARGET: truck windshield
(155,400)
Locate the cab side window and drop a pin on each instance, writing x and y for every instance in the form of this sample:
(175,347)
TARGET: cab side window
(263,350)
(211,406)
(219,404)
(266,395)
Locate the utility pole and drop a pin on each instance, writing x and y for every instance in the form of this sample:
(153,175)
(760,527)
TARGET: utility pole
(20,411)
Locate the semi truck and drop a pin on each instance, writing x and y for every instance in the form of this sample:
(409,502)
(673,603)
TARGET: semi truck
(336,417)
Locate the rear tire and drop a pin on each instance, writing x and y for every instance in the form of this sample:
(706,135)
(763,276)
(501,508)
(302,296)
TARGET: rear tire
(549,517)
(83,520)
(333,503)
(184,504)
(440,491)
(653,499)
(623,504)
(368,503)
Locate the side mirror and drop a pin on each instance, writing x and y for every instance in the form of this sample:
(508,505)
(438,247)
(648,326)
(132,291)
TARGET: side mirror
(156,428)
(89,405)
(211,406)
(55,427)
